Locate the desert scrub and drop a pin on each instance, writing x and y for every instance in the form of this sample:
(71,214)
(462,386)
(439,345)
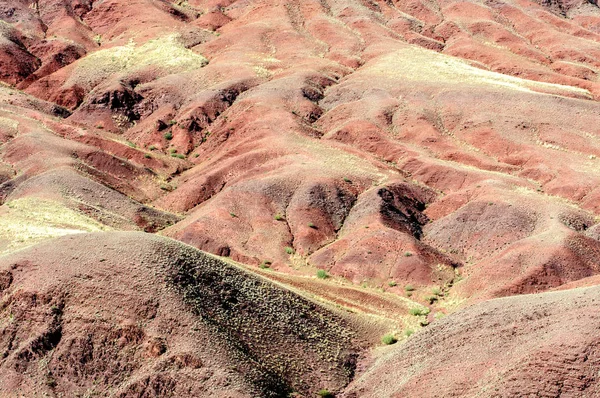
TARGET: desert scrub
(389,339)
(289,250)
(322,274)
(168,136)
(312,225)
(419,311)
(392,283)
(408,254)
(278,217)
(265,264)
(324,393)
(409,332)
(409,288)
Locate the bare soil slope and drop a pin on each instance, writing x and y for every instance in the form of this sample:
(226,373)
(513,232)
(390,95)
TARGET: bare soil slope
(135,315)
(544,345)
(418,153)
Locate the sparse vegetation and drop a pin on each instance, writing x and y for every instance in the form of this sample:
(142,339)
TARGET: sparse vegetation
(408,254)
(431,299)
(312,225)
(409,332)
(148,156)
(168,136)
(392,283)
(389,339)
(418,311)
(324,393)
(349,181)
(409,288)
(265,264)
(290,250)
(152,147)
(322,274)
(178,155)
(233,215)
(131,144)
(278,217)
(436,291)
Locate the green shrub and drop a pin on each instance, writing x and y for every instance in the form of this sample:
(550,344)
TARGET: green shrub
(289,250)
(168,136)
(152,147)
(408,254)
(147,156)
(131,144)
(431,299)
(419,311)
(392,283)
(311,225)
(436,291)
(278,217)
(233,214)
(408,332)
(324,393)
(389,339)
(409,288)
(322,274)
(265,264)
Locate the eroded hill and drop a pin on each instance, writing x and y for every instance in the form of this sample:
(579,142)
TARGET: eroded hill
(420,154)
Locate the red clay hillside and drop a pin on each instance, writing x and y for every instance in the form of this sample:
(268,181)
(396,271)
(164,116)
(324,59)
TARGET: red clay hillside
(334,198)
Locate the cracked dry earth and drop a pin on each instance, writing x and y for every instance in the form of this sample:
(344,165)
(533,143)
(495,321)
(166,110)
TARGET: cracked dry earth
(175,174)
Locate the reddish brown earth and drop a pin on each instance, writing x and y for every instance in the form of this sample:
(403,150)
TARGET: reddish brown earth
(542,345)
(422,153)
(136,315)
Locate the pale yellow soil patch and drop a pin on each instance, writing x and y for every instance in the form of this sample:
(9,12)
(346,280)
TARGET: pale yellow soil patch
(416,64)
(167,54)
(24,222)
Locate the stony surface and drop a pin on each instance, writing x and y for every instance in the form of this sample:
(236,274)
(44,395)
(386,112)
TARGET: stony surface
(134,315)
